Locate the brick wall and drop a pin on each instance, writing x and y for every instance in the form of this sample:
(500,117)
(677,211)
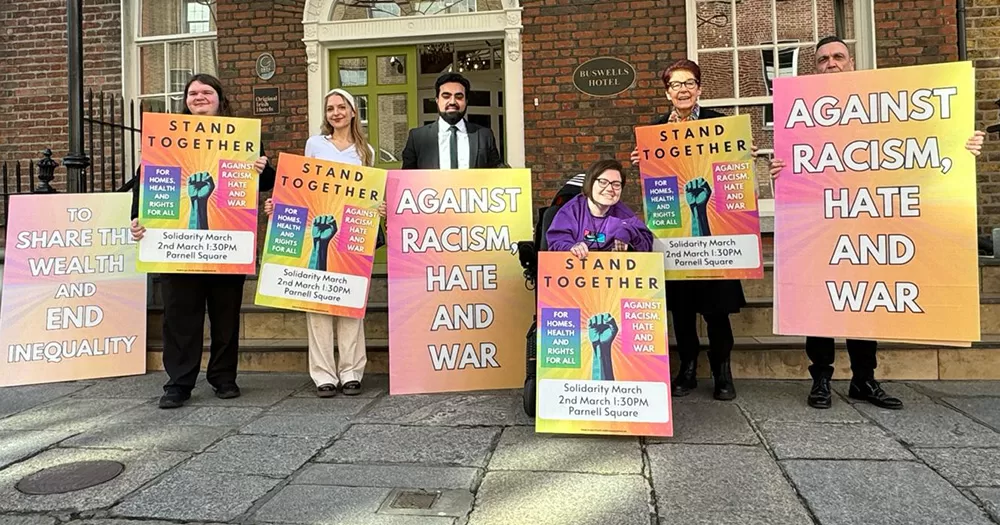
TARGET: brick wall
(247,29)
(568,130)
(983,38)
(33,81)
(913,32)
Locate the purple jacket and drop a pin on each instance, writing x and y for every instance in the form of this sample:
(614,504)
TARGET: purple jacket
(574,223)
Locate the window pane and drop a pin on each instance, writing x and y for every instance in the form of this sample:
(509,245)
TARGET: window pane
(153,104)
(716,74)
(353,71)
(753,20)
(173,17)
(430,106)
(208,58)
(482,120)
(392,124)
(435,58)
(474,60)
(181,64)
(715,27)
(752,74)
(796,20)
(444,7)
(176,102)
(362,9)
(151,70)
(392,70)
(479,99)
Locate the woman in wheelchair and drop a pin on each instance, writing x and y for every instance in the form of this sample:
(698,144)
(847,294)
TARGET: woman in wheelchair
(597,220)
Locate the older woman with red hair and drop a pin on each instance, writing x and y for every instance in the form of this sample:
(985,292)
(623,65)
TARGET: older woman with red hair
(715,300)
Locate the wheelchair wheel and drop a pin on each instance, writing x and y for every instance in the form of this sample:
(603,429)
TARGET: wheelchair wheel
(529,396)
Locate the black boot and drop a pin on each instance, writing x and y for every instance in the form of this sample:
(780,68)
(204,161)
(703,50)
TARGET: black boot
(820,396)
(686,379)
(725,390)
(869,390)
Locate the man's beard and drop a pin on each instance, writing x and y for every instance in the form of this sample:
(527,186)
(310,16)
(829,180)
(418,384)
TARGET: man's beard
(452,118)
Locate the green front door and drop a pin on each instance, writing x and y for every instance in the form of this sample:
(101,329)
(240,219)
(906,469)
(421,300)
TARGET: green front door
(383,81)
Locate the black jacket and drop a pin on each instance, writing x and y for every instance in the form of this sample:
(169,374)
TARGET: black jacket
(421,151)
(266,183)
(706,297)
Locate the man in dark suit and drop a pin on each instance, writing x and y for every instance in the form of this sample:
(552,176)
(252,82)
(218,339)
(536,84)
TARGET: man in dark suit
(451,142)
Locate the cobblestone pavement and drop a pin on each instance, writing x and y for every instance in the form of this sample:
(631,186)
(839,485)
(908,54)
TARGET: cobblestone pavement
(278,454)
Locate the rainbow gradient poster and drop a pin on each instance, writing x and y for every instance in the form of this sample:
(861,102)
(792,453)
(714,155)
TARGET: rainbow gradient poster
(875,211)
(73,305)
(602,360)
(321,237)
(198,194)
(700,198)
(459,306)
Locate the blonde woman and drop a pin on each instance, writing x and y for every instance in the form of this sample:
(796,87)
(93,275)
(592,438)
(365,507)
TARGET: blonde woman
(341,141)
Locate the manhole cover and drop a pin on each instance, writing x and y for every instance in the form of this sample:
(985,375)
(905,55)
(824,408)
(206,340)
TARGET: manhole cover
(414,500)
(70,477)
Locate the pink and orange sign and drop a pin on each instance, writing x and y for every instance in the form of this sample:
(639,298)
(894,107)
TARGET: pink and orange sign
(603,366)
(321,237)
(74,306)
(875,211)
(458,305)
(198,194)
(700,198)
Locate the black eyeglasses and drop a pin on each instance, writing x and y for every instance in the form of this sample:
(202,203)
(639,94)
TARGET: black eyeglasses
(689,83)
(603,183)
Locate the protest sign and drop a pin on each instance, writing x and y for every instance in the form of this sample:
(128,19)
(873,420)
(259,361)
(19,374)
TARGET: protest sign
(198,194)
(321,237)
(458,304)
(875,212)
(74,306)
(700,198)
(603,366)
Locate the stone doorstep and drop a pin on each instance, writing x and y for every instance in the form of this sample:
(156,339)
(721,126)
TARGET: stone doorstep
(757,361)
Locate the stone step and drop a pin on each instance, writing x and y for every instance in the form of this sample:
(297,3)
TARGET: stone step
(753,358)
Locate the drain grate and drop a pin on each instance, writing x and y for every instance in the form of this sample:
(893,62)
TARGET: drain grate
(410,499)
(69,477)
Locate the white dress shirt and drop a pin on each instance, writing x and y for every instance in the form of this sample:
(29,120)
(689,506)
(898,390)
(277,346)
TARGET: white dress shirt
(444,145)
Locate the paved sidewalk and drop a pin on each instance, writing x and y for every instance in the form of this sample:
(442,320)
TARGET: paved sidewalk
(280,455)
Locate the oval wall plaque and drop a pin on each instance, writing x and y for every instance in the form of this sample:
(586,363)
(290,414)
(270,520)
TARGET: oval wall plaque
(604,76)
(265,66)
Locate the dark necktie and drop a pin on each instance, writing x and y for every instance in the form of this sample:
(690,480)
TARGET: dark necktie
(454,147)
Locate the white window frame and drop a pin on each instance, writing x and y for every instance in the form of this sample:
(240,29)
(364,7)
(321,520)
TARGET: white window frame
(132,42)
(864,56)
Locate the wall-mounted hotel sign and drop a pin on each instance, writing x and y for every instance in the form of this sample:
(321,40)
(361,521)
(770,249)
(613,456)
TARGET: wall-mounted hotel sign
(266,101)
(604,76)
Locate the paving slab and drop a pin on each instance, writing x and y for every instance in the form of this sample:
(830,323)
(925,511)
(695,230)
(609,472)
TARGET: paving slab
(318,425)
(14,399)
(520,448)
(958,388)
(16,445)
(140,468)
(926,425)
(227,417)
(196,496)
(402,444)
(710,423)
(904,391)
(786,401)
(388,476)
(257,455)
(151,414)
(335,505)
(990,499)
(373,385)
(266,381)
(252,397)
(711,484)
(27,520)
(558,498)
(117,521)
(145,386)
(964,467)
(985,410)
(340,407)
(68,414)
(831,441)
(884,492)
(148,437)
(446,410)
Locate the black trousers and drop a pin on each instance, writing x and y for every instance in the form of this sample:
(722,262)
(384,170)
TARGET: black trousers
(862,352)
(184,299)
(720,335)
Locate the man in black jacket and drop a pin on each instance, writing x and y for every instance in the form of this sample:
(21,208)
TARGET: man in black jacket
(451,142)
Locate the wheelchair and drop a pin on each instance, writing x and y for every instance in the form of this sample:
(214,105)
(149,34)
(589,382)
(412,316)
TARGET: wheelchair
(527,252)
